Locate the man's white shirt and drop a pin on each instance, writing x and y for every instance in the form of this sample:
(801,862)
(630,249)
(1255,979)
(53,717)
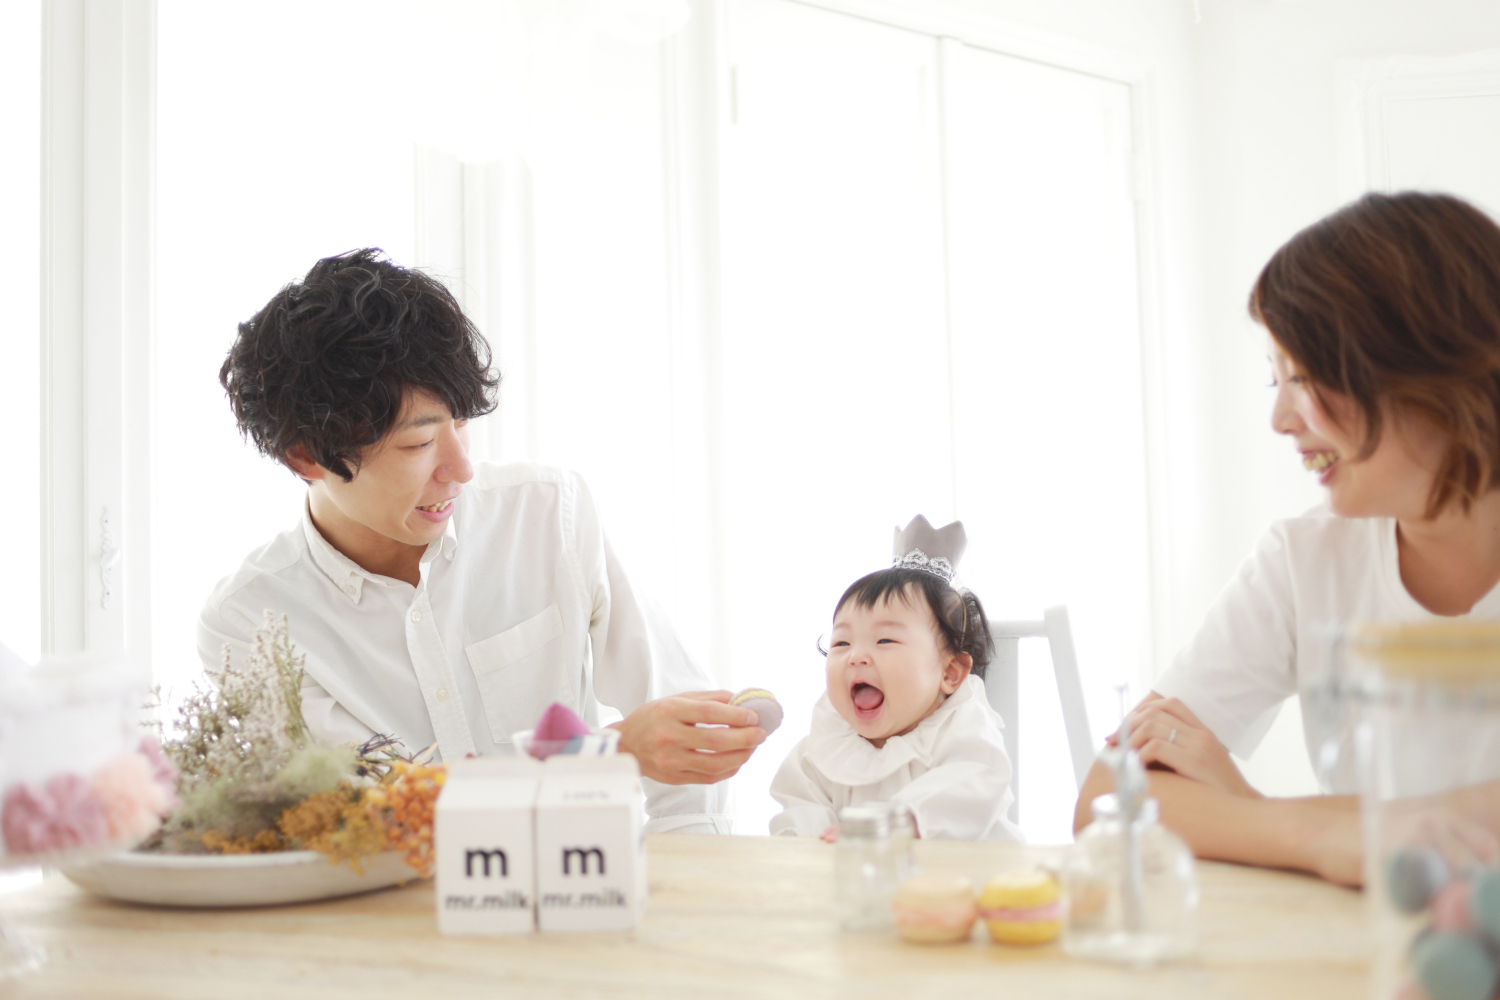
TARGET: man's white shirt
(521,603)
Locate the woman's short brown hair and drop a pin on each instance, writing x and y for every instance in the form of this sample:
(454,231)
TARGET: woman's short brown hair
(1394,301)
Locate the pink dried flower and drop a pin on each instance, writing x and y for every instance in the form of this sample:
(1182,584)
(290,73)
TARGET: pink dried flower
(134,801)
(65,813)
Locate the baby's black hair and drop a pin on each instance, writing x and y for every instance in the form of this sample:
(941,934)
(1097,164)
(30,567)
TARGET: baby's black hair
(960,617)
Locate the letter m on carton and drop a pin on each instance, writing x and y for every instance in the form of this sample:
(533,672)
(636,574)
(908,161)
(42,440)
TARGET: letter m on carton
(484,856)
(591,865)
(485,845)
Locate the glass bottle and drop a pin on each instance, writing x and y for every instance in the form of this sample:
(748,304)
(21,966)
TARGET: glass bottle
(1130,888)
(874,853)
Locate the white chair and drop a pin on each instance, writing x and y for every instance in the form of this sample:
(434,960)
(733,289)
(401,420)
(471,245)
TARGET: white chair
(1002,684)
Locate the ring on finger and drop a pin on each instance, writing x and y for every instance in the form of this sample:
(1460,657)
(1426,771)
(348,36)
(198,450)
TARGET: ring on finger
(1172,736)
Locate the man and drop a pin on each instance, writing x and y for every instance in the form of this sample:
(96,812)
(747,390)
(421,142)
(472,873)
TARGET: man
(436,600)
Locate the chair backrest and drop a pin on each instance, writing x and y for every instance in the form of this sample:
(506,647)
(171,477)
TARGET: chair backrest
(1002,684)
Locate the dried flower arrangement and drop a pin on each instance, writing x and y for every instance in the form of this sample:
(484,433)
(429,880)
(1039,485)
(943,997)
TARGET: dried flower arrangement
(251,779)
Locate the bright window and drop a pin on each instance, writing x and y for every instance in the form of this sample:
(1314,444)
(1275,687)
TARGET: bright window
(20,402)
(896,206)
(903,225)
(272,152)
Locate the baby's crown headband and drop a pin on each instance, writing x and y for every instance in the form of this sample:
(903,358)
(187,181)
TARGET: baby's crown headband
(922,547)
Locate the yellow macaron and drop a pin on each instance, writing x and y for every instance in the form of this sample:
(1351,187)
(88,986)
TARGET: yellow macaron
(1021,908)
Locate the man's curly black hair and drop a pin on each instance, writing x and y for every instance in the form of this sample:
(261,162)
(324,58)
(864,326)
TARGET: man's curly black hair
(328,361)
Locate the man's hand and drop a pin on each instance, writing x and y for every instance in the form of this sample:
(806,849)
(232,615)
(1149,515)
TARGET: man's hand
(1169,735)
(672,747)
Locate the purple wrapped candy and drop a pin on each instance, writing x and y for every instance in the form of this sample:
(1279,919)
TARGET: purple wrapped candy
(559,722)
(764,704)
(558,726)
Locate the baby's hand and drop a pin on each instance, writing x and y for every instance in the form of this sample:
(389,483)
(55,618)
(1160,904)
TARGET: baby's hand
(830,835)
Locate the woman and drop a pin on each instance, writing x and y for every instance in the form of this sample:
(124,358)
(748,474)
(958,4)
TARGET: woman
(1384,341)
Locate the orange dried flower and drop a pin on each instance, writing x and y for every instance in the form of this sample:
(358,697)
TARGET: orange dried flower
(263,842)
(339,824)
(405,803)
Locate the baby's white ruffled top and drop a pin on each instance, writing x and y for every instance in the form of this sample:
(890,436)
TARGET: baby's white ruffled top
(951,770)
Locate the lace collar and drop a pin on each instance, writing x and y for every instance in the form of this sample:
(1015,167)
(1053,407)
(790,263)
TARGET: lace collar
(845,757)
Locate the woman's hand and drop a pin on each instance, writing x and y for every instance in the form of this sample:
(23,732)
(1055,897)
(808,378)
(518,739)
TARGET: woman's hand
(1331,837)
(694,738)
(1167,734)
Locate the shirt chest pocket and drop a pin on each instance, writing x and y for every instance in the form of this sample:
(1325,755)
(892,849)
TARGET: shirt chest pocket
(519,673)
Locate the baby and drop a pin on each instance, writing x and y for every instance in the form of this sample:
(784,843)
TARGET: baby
(905,718)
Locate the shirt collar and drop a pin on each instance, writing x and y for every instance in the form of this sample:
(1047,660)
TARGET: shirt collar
(348,575)
(345,573)
(845,757)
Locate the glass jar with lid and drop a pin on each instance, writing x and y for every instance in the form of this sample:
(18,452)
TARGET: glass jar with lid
(1428,744)
(874,853)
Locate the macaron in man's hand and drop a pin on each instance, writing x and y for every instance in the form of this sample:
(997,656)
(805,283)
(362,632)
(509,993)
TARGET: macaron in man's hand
(764,704)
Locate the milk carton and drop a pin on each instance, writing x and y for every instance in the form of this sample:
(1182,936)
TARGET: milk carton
(590,846)
(483,839)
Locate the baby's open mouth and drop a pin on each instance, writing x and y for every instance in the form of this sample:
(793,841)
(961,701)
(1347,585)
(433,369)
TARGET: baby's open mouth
(867,699)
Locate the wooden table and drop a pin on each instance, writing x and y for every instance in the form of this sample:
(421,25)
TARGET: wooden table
(728,917)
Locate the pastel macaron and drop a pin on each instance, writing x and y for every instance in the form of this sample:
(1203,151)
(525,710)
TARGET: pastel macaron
(932,909)
(764,704)
(1021,908)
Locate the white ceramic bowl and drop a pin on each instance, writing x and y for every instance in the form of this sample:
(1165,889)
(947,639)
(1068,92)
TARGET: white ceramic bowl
(215,880)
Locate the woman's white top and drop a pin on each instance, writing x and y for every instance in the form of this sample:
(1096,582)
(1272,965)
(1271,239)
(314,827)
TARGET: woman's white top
(952,771)
(520,603)
(1271,634)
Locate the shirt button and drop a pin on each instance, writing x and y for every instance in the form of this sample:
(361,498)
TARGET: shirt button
(442,694)
(351,590)
(416,616)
